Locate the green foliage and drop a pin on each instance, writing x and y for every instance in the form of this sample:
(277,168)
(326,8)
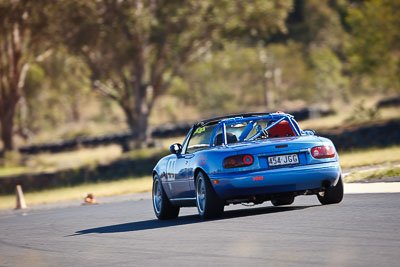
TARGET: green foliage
(297,76)
(320,24)
(328,81)
(237,78)
(374,49)
(27,35)
(59,86)
(135,50)
(34,78)
(7,171)
(10,162)
(220,56)
(224,80)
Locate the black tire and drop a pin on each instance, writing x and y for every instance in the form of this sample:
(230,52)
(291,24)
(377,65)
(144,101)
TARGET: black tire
(163,208)
(281,201)
(208,203)
(332,195)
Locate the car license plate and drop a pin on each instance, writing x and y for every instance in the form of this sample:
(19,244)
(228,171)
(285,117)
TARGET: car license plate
(283,160)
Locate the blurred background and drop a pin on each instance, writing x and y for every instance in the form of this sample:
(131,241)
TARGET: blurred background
(86,85)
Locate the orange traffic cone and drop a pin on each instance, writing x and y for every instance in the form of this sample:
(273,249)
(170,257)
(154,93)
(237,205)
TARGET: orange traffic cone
(20,198)
(90,200)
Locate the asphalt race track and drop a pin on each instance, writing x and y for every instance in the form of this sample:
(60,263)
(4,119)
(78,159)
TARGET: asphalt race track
(363,230)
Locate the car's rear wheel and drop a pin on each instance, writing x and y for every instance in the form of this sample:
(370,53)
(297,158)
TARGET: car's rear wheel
(208,203)
(281,201)
(163,208)
(332,195)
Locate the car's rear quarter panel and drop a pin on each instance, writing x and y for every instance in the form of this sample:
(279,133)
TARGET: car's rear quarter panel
(161,170)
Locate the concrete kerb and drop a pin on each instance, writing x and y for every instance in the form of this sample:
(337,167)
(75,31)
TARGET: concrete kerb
(362,188)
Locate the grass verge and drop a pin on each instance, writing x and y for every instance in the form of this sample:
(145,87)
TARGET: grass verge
(100,189)
(48,162)
(374,174)
(367,157)
(11,170)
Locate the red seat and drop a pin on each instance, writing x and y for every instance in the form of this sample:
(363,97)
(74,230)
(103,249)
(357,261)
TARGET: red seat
(282,129)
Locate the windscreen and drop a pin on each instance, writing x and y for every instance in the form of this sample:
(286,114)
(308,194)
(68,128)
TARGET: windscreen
(201,138)
(239,132)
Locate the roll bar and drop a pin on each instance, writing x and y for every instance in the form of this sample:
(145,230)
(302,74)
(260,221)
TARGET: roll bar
(277,117)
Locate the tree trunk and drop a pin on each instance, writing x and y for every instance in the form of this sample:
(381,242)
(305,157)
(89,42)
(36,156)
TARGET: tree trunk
(7,126)
(75,112)
(141,107)
(13,75)
(267,91)
(138,124)
(131,123)
(142,128)
(137,120)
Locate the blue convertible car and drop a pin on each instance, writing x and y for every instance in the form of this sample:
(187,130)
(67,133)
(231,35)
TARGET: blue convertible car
(248,158)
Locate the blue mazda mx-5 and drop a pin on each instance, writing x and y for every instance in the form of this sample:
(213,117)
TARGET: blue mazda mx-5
(248,158)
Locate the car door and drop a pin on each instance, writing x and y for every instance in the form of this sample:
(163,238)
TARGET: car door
(180,187)
(177,175)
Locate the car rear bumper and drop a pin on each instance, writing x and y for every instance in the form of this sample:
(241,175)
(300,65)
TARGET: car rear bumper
(278,180)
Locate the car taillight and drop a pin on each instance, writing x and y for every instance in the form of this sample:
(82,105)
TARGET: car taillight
(322,152)
(238,161)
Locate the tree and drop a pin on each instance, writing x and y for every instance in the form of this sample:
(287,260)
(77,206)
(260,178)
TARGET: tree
(328,80)
(320,28)
(241,78)
(375,46)
(135,48)
(24,35)
(60,86)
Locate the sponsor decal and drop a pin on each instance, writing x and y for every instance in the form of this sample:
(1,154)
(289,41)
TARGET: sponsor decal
(199,130)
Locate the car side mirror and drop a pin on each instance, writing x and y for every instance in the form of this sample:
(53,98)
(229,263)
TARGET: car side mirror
(176,149)
(309,132)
